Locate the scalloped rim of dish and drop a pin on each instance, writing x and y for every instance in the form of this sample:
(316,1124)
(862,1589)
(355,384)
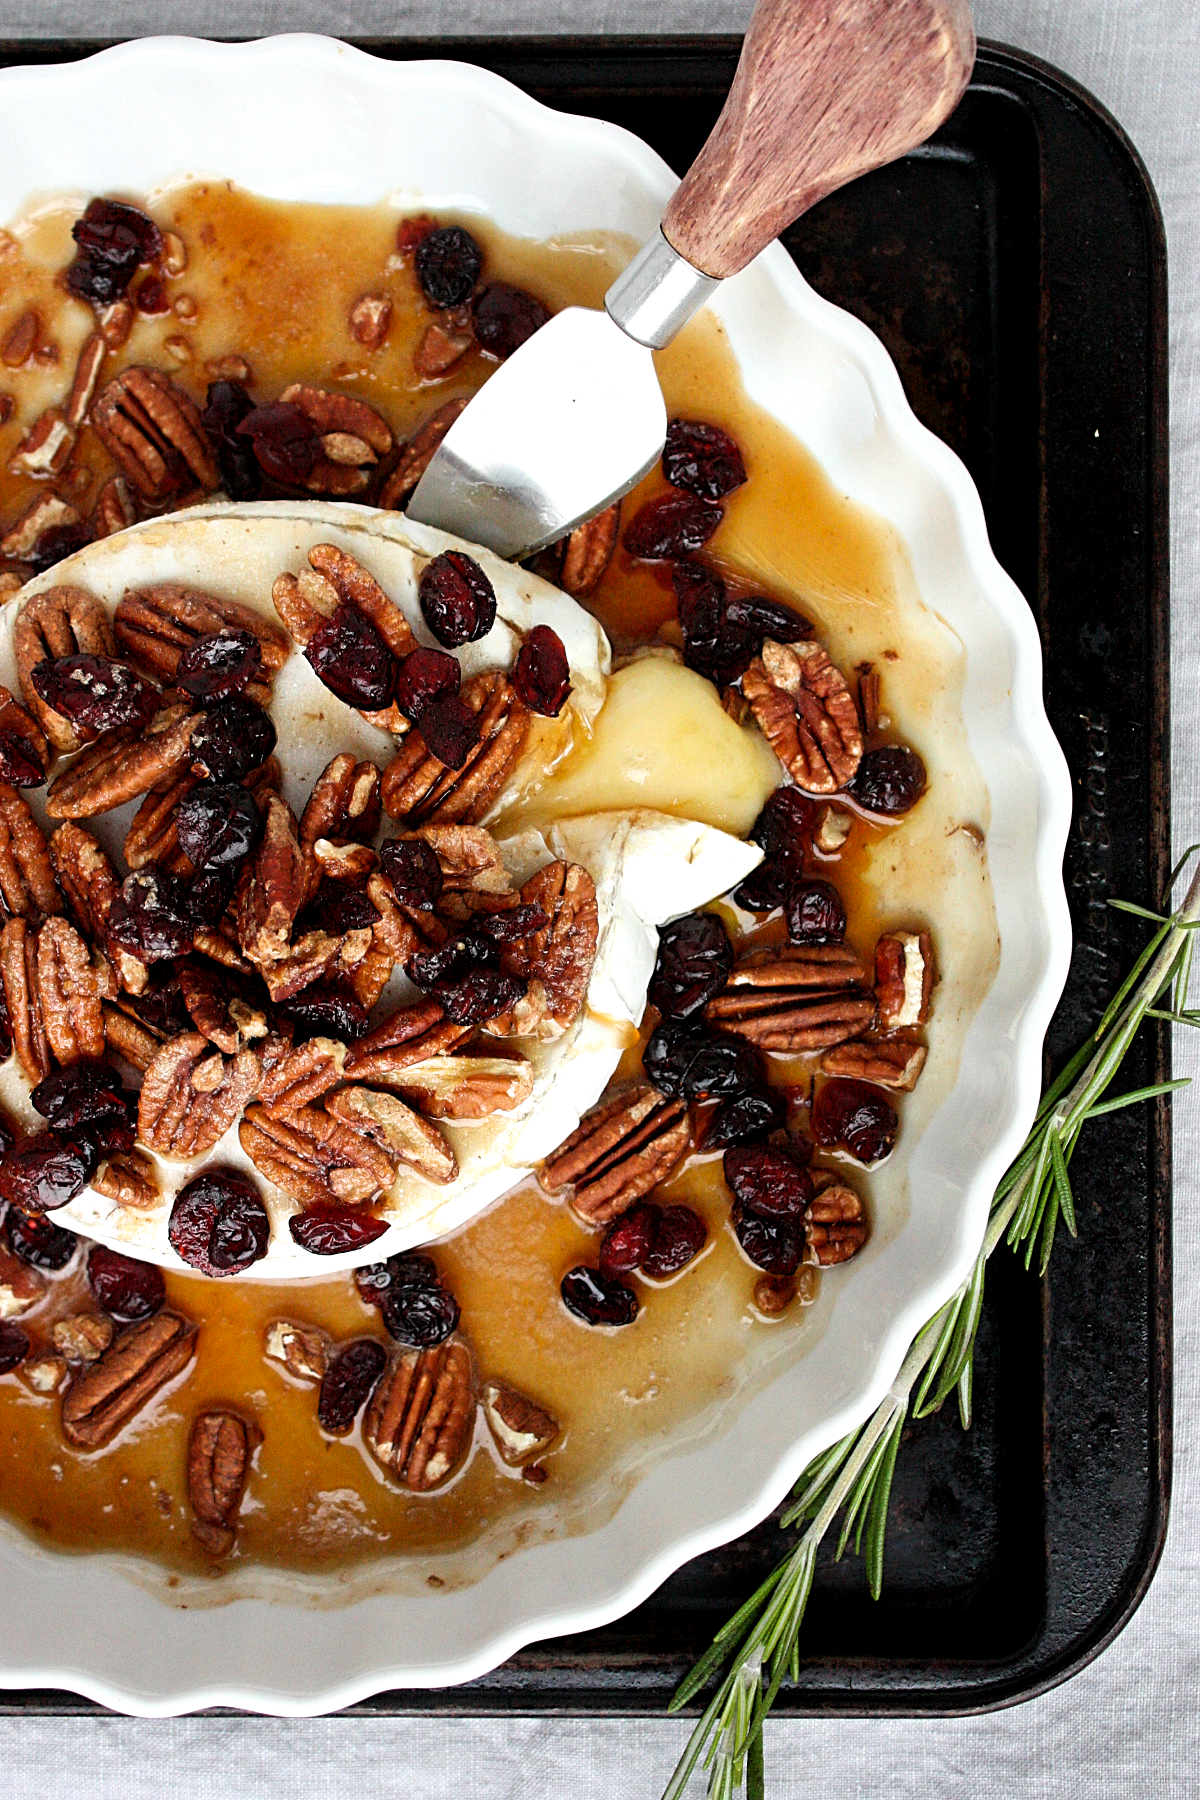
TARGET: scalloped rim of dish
(105,1636)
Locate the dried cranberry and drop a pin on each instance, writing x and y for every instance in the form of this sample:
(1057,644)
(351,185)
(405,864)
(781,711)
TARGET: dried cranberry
(220,664)
(347,1383)
(766,887)
(695,959)
(46,1171)
(681,1058)
(14,1345)
(350,657)
(483,994)
(219,1224)
(95,693)
(505,316)
(711,645)
(425,676)
(628,1239)
(337,908)
(19,766)
(768,1180)
(775,1245)
(414,872)
(228,404)
(457,599)
(322,1011)
(672,525)
(511,925)
(150,298)
(161,1006)
(232,738)
(326,1230)
(679,1235)
(596,1299)
(125,1288)
(450,730)
(285,443)
(541,674)
(854,1116)
(408,1269)
(703,459)
(38,1241)
(763,618)
(113,239)
(448,264)
(218,824)
(150,916)
(785,825)
(451,961)
(815,914)
(745,1119)
(83,1096)
(419,1312)
(56,543)
(890,780)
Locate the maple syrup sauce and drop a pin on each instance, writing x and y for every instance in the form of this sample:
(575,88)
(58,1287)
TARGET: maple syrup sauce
(274,282)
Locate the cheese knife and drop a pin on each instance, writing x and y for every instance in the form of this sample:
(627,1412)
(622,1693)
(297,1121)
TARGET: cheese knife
(824,91)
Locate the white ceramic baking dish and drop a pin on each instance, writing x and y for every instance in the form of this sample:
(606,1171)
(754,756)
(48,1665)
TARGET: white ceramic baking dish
(308,118)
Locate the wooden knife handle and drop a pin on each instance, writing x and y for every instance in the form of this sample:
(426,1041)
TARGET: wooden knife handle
(824,91)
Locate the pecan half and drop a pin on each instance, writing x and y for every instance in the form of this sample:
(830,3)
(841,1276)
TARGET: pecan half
(795,998)
(302,1349)
(344,803)
(219,1451)
(836,1222)
(69,989)
(890,1062)
(589,551)
(152,429)
(219,1009)
(302,1076)
(621,1149)
(303,602)
(83,384)
(46,447)
(18,973)
(155,625)
(420,1420)
(409,1036)
(20,724)
(555,962)
(357,587)
(419,788)
(27,885)
(62,621)
(90,884)
(351,863)
(129,1038)
(338,415)
(807,714)
(469,858)
(128,1179)
(191,1095)
(459,1087)
(316,956)
(132,1370)
(122,765)
(412,1140)
(521,1428)
(153,834)
(315,1158)
(905,975)
(273,891)
(21,340)
(114,509)
(369,319)
(418,453)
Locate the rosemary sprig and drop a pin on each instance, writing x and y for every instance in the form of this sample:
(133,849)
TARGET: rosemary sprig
(760,1644)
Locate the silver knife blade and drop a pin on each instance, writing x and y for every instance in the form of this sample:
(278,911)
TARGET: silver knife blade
(567,425)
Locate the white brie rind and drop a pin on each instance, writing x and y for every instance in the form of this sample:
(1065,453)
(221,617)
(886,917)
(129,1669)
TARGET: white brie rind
(647,867)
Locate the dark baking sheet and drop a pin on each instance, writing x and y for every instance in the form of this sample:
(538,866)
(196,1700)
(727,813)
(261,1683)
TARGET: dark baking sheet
(1015,268)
